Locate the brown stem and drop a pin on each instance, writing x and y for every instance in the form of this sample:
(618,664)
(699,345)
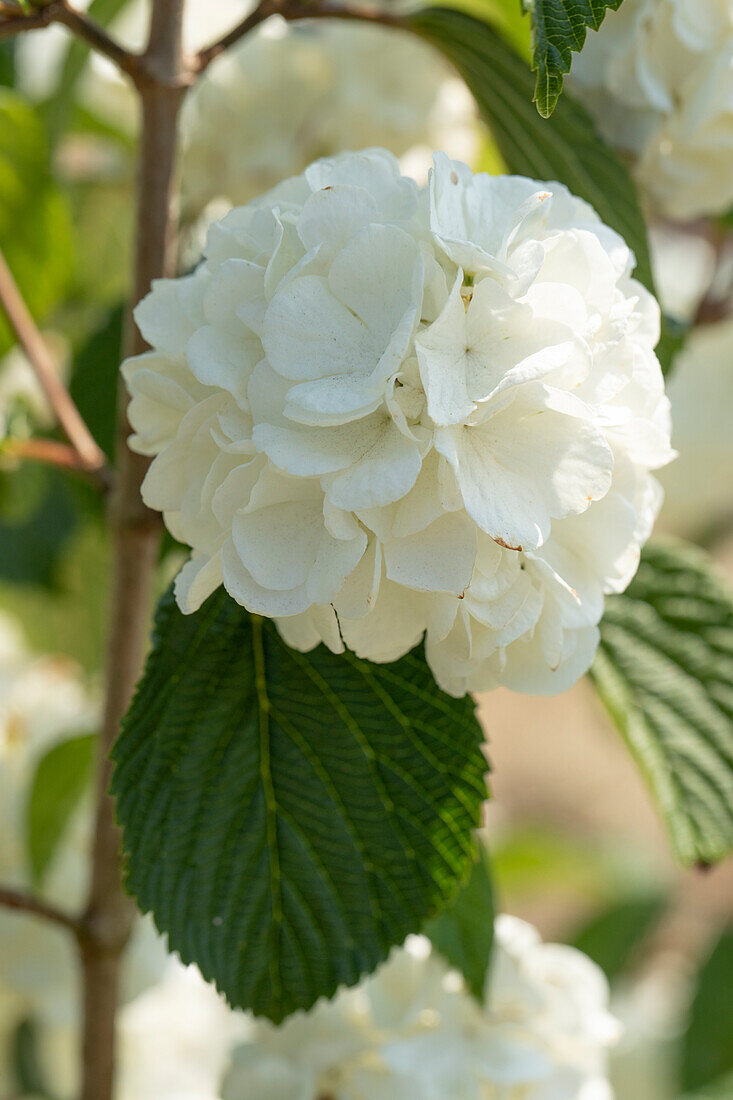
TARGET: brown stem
(136,536)
(53,453)
(30,339)
(12,23)
(28,903)
(292,10)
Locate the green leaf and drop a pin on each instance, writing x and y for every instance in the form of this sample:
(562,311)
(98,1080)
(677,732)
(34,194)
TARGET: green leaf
(707,1047)
(37,517)
(722,1089)
(559,28)
(612,937)
(463,932)
(289,817)
(565,147)
(25,1063)
(94,380)
(7,64)
(71,616)
(664,669)
(35,225)
(61,778)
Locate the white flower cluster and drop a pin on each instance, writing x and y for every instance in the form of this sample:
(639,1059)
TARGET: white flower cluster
(43,703)
(412,1030)
(291,93)
(658,77)
(380,411)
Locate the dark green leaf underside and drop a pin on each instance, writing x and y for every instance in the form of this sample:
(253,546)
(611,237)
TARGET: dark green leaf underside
(665,671)
(464,931)
(289,817)
(559,28)
(613,937)
(707,1048)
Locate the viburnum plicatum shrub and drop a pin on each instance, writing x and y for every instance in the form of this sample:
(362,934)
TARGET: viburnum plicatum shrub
(658,78)
(379,411)
(412,1030)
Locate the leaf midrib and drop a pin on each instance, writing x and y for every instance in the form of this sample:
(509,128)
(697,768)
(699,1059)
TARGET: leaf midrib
(271,810)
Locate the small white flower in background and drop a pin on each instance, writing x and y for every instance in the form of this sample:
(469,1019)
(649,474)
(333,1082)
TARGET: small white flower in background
(290,93)
(23,404)
(175,1040)
(653,1010)
(44,702)
(380,411)
(699,485)
(685,268)
(412,1030)
(40,56)
(287,94)
(658,78)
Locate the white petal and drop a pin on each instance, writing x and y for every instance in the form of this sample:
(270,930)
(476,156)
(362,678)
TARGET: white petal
(169,315)
(219,359)
(235,300)
(438,559)
(196,581)
(278,545)
(332,215)
(442,354)
(391,629)
(528,464)
(308,333)
(240,584)
(304,632)
(386,469)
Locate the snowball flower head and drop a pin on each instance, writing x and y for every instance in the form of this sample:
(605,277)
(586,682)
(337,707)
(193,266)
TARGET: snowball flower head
(412,1030)
(658,77)
(379,411)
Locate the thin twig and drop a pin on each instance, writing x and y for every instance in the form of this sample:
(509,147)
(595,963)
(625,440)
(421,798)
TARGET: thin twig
(28,903)
(292,10)
(52,453)
(17,24)
(84,27)
(91,457)
(60,11)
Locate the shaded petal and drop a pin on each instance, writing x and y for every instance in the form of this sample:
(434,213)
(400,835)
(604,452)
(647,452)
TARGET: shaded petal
(198,578)
(169,315)
(386,469)
(438,559)
(219,359)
